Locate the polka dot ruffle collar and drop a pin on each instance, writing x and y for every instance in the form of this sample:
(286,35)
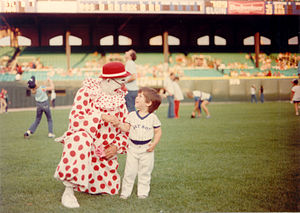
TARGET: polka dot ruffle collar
(100,99)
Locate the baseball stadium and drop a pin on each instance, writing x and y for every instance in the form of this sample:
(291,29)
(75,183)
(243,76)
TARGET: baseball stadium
(228,143)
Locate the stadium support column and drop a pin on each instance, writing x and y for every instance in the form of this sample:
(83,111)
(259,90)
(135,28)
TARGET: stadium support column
(166,50)
(68,49)
(14,37)
(257,43)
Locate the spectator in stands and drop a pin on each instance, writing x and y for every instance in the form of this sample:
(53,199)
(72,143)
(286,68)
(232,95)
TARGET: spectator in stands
(2,101)
(42,105)
(253,93)
(269,74)
(19,69)
(169,88)
(261,91)
(131,82)
(90,145)
(202,99)
(19,72)
(295,95)
(178,96)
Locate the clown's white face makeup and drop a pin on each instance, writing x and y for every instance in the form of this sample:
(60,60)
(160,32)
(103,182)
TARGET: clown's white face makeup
(109,86)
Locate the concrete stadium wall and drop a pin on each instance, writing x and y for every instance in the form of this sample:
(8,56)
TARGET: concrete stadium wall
(239,89)
(221,90)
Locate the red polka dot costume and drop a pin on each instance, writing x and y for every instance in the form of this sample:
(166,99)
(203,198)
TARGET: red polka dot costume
(79,164)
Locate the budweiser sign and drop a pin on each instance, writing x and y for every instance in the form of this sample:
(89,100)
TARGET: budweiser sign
(249,7)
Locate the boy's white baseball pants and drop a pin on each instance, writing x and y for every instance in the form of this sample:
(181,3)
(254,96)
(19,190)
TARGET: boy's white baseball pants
(138,162)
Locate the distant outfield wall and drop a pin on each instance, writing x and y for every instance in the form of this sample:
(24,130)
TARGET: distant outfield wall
(231,89)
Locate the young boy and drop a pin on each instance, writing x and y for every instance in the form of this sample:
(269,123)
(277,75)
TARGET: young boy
(144,133)
(295,95)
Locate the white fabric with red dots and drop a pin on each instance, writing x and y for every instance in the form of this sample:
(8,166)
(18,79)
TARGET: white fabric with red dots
(79,163)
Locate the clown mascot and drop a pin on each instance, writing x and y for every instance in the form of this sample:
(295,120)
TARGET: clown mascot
(89,162)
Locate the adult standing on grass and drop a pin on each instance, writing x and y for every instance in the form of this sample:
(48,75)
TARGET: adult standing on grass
(261,91)
(131,82)
(253,93)
(89,161)
(42,106)
(178,96)
(2,101)
(295,95)
(169,88)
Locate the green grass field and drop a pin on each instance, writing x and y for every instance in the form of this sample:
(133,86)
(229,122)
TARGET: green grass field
(244,158)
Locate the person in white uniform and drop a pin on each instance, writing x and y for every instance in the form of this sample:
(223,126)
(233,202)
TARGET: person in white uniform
(144,132)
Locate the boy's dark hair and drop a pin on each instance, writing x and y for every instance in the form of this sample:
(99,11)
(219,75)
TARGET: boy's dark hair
(133,54)
(151,96)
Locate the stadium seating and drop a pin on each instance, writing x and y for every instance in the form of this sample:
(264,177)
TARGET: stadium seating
(84,64)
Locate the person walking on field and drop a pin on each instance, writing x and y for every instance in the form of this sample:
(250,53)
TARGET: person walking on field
(42,105)
(131,82)
(253,93)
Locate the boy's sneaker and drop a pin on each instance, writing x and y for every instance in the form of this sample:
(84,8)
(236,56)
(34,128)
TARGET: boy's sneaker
(193,116)
(142,197)
(27,134)
(51,135)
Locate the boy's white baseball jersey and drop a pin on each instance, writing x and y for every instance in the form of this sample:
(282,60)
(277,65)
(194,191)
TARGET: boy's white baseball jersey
(142,128)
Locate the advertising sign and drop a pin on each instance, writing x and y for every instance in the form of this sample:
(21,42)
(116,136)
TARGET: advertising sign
(246,7)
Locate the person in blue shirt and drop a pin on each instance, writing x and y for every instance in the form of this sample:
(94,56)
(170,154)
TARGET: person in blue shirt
(42,105)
